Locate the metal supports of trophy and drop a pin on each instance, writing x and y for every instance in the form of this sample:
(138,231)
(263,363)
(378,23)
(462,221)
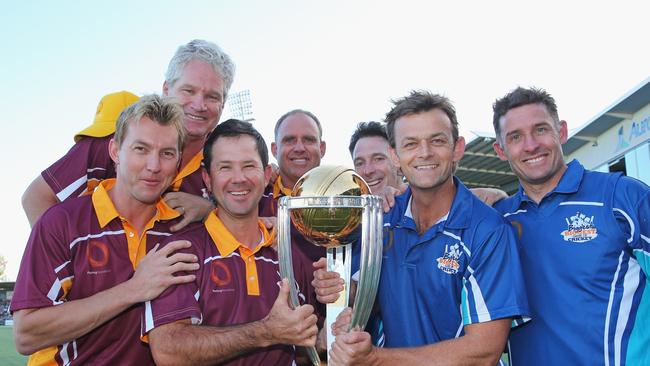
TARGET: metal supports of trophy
(335,223)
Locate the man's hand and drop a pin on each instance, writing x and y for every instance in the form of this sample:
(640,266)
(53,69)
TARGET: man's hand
(193,208)
(290,326)
(328,285)
(354,348)
(389,193)
(156,270)
(342,323)
(489,196)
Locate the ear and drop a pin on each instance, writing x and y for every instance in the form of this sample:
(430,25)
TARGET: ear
(459,149)
(564,132)
(165,89)
(323,147)
(268,172)
(274,150)
(206,179)
(500,151)
(114,151)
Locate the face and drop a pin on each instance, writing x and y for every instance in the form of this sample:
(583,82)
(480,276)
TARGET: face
(200,90)
(146,161)
(236,176)
(425,150)
(531,142)
(372,161)
(298,147)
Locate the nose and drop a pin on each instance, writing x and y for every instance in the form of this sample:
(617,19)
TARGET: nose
(238,175)
(424,150)
(198,102)
(368,169)
(153,163)
(299,145)
(530,143)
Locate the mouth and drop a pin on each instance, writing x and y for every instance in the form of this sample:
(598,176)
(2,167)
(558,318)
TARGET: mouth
(150,182)
(426,167)
(535,159)
(373,183)
(299,161)
(194,117)
(240,193)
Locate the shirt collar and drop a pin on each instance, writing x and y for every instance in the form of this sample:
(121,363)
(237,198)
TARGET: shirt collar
(569,183)
(226,242)
(279,190)
(461,208)
(106,211)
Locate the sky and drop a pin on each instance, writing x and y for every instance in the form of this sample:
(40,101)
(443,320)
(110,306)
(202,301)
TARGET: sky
(342,60)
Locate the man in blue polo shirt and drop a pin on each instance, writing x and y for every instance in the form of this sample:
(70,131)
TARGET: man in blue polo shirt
(451,284)
(585,243)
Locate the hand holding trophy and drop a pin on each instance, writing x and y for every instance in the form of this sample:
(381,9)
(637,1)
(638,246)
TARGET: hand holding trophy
(332,207)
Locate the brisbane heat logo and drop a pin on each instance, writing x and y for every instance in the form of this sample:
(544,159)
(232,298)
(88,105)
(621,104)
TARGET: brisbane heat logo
(220,274)
(97,254)
(448,263)
(580,229)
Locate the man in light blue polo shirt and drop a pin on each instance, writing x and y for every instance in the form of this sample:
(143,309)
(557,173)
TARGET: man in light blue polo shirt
(451,284)
(584,244)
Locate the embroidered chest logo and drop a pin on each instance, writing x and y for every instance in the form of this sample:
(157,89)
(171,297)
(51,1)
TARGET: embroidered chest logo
(220,276)
(98,256)
(448,263)
(580,229)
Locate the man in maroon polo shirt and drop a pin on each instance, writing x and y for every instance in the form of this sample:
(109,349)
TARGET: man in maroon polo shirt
(238,297)
(199,75)
(91,261)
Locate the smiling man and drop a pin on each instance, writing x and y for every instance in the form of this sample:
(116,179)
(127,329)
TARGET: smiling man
(91,261)
(584,244)
(450,282)
(199,75)
(237,297)
(370,151)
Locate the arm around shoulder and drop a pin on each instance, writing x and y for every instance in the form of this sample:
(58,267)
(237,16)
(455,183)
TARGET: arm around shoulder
(38,197)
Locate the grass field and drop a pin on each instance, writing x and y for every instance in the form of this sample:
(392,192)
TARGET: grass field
(8,354)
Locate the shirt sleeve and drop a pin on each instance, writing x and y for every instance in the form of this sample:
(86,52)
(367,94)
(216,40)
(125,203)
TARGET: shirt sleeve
(631,208)
(176,302)
(46,272)
(493,284)
(81,168)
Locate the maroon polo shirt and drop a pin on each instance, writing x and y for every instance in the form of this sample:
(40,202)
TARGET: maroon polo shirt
(79,248)
(234,285)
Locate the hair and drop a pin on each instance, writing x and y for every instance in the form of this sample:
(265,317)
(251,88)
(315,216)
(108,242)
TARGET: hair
(165,111)
(367,129)
(420,101)
(296,111)
(233,128)
(209,52)
(519,97)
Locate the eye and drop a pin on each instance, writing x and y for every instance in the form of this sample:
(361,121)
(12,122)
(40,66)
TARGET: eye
(541,130)
(409,145)
(514,137)
(139,149)
(169,154)
(438,141)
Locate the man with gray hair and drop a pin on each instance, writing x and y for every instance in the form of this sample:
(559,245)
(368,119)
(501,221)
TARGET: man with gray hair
(91,262)
(199,75)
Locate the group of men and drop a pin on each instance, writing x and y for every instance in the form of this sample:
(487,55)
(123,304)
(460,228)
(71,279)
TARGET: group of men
(148,231)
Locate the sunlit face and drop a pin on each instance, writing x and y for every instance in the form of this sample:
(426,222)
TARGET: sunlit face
(425,149)
(297,148)
(201,92)
(146,161)
(371,158)
(236,176)
(531,141)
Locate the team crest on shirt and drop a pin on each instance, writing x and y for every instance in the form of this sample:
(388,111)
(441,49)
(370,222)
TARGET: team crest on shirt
(98,256)
(448,263)
(581,228)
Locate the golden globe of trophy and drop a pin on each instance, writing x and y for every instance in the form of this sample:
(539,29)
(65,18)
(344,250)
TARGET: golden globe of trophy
(332,207)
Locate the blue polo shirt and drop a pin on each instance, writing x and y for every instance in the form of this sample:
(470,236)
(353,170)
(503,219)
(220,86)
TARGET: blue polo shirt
(463,270)
(585,256)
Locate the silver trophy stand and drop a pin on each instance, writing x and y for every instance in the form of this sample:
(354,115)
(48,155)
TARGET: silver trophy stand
(339,256)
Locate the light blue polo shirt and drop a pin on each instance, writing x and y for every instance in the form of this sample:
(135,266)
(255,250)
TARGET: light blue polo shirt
(584,252)
(463,270)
